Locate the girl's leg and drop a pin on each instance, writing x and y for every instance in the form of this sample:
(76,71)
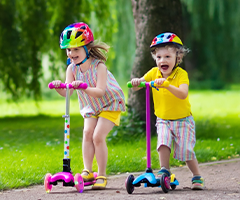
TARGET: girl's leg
(104,126)
(87,143)
(164,156)
(193,166)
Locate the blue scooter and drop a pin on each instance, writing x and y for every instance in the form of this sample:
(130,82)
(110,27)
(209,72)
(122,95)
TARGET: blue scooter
(148,178)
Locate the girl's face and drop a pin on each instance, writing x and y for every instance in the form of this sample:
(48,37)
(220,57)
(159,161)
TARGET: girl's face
(165,60)
(76,55)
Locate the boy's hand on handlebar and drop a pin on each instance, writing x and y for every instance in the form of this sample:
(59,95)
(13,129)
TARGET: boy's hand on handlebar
(135,82)
(160,82)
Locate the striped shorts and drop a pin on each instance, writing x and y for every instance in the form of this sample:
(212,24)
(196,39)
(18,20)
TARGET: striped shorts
(180,133)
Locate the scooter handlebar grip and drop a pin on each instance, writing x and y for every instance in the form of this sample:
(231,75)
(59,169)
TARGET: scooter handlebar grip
(81,86)
(64,85)
(142,84)
(51,86)
(165,84)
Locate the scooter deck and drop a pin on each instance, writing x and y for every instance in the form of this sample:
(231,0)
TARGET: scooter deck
(149,179)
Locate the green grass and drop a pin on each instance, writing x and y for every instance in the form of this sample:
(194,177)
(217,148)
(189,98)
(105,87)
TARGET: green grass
(31,138)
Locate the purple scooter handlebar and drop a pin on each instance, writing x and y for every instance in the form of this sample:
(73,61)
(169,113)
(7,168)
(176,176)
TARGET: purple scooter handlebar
(64,85)
(151,84)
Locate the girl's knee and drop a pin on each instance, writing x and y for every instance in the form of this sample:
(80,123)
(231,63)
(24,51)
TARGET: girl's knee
(98,139)
(87,134)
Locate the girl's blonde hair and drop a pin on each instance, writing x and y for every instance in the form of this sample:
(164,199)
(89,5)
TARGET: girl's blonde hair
(181,51)
(97,50)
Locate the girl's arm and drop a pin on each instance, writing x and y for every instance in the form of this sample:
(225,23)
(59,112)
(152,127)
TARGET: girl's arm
(69,79)
(100,89)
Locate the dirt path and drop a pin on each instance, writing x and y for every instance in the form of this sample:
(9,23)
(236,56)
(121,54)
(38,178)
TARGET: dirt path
(222,182)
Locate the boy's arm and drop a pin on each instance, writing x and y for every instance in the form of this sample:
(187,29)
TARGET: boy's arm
(180,92)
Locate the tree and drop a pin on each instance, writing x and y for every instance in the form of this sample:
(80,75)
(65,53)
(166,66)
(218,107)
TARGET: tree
(151,17)
(31,28)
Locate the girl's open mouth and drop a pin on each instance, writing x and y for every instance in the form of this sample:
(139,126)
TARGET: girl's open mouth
(74,58)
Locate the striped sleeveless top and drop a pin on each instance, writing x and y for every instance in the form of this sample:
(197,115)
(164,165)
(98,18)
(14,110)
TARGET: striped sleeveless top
(113,100)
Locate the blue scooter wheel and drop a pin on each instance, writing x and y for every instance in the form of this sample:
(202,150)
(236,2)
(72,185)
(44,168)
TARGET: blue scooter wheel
(128,184)
(173,186)
(165,183)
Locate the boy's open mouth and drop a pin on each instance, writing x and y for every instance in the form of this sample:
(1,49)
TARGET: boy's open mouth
(164,67)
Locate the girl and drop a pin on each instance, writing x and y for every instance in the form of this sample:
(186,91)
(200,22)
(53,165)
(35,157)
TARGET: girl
(171,104)
(100,104)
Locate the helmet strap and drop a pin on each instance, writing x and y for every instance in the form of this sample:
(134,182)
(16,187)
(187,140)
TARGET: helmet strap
(87,56)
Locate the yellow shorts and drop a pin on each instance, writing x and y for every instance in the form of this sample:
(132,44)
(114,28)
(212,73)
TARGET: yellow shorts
(113,116)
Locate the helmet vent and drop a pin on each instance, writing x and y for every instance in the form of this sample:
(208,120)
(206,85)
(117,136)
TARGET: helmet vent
(69,34)
(168,36)
(78,34)
(82,40)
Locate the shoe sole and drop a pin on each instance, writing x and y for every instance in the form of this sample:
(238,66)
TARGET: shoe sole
(198,187)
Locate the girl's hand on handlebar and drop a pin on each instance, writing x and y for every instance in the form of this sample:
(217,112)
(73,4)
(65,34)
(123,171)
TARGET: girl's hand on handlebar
(75,84)
(56,83)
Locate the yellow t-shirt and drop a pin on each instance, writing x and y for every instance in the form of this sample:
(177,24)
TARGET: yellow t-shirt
(166,105)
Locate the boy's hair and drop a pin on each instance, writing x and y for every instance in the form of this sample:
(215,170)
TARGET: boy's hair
(96,50)
(180,50)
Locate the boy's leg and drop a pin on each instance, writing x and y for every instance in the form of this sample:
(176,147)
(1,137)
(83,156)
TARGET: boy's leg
(164,156)
(197,180)
(193,166)
(164,142)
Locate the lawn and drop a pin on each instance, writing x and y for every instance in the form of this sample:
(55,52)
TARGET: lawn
(31,138)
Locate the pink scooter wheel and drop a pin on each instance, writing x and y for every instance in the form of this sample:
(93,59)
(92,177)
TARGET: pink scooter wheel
(79,184)
(165,183)
(95,174)
(47,185)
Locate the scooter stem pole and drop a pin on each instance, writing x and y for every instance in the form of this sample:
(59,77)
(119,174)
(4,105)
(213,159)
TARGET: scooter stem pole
(148,126)
(67,124)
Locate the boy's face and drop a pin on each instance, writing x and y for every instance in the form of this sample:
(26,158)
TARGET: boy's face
(165,60)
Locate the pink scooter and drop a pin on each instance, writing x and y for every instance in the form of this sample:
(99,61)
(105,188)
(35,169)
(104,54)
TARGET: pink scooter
(66,176)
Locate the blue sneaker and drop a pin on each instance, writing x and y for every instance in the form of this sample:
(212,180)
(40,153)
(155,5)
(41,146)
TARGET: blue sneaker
(163,171)
(198,183)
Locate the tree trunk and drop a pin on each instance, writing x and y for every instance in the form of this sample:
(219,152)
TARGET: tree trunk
(152,17)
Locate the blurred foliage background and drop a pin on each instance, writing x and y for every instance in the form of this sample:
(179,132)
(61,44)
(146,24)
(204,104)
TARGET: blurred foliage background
(30,56)
(211,30)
